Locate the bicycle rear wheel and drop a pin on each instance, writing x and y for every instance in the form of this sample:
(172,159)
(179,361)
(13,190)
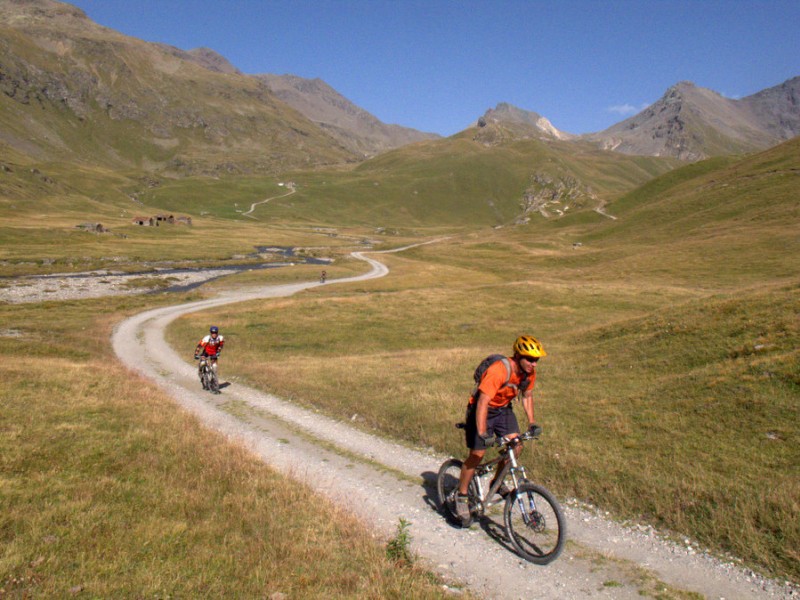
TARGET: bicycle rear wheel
(535,523)
(447,488)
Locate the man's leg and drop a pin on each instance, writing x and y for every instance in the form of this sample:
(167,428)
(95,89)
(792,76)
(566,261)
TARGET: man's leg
(467,473)
(505,425)
(468,469)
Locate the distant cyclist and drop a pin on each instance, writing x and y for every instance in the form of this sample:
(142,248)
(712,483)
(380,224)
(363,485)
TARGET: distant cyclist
(490,413)
(209,347)
(323,276)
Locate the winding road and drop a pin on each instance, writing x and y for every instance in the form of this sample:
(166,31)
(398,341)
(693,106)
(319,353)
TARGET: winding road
(382,482)
(249,213)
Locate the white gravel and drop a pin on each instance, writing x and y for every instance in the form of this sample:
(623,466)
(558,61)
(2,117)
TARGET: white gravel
(382,482)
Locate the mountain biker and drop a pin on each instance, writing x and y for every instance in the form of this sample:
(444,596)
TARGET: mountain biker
(209,347)
(490,413)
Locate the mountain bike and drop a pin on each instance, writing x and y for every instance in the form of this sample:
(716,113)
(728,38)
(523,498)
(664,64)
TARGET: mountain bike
(533,520)
(208,373)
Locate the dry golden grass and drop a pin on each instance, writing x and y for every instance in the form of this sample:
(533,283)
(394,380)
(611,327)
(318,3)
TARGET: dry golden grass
(108,489)
(654,400)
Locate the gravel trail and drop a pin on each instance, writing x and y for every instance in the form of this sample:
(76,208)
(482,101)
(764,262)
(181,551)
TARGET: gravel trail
(382,482)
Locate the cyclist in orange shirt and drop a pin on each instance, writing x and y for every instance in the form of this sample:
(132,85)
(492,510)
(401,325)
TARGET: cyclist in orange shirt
(490,412)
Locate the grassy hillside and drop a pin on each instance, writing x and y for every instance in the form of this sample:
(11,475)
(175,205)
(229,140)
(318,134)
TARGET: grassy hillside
(670,392)
(718,222)
(718,194)
(447,184)
(76,91)
(460,182)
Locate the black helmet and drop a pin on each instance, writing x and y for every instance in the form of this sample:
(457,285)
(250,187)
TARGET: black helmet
(214,329)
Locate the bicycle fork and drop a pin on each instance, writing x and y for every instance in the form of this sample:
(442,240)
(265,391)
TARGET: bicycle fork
(530,515)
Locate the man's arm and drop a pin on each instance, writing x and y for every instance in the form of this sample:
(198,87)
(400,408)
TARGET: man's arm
(527,404)
(481,412)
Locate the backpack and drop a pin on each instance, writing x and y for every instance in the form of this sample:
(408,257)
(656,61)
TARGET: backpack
(489,361)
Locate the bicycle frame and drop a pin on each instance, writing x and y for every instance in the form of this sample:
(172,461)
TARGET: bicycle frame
(208,363)
(512,467)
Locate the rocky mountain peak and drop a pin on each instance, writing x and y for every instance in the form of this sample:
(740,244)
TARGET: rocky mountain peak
(212,60)
(691,123)
(39,12)
(520,119)
(684,86)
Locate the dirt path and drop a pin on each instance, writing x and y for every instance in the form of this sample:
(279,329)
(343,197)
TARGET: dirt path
(382,482)
(249,213)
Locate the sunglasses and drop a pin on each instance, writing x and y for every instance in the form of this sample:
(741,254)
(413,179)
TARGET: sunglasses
(531,360)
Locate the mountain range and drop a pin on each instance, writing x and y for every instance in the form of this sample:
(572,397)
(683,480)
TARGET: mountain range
(74,90)
(691,123)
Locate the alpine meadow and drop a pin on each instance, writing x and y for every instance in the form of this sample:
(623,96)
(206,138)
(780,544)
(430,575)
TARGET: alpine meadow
(665,287)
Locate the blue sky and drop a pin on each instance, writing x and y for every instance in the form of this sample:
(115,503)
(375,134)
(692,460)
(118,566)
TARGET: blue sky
(437,65)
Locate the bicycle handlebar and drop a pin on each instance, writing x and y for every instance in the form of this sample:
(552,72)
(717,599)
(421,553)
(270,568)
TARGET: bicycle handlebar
(504,441)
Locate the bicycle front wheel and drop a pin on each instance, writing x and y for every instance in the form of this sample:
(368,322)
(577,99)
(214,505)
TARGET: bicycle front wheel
(535,523)
(213,382)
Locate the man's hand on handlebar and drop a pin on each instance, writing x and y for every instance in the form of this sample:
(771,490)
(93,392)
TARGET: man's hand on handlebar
(534,430)
(488,439)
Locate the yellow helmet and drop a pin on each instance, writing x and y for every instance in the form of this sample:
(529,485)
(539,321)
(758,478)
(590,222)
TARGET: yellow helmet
(529,346)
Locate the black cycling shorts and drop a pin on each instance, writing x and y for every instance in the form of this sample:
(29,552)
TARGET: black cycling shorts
(499,422)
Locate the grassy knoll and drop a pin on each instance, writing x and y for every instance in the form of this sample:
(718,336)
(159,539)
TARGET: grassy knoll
(108,491)
(671,388)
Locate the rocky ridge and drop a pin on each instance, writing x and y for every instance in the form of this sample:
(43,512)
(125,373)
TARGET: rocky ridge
(692,123)
(355,128)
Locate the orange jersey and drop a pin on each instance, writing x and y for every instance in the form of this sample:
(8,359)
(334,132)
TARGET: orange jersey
(492,384)
(210,345)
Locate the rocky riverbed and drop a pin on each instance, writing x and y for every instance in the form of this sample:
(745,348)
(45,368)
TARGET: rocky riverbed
(96,284)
